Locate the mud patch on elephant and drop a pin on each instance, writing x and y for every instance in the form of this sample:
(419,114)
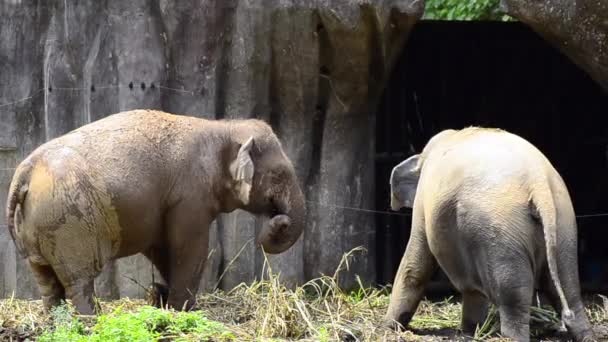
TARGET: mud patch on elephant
(69,218)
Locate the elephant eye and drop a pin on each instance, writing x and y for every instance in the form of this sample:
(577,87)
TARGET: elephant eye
(278,175)
(276,179)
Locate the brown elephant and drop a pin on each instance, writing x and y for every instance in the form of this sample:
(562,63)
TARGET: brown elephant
(150,182)
(491,210)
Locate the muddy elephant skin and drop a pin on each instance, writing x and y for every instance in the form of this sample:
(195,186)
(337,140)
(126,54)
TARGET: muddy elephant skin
(150,182)
(493,213)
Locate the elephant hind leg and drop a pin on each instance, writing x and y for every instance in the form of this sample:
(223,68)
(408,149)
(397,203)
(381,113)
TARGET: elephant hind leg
(81,293)
(579,327)
(474,311)
(79,287)
(515,293)
(415,270)
(515,320)
(51,289)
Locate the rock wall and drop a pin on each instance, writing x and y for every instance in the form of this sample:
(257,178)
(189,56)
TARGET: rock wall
(579,28)
(313,68)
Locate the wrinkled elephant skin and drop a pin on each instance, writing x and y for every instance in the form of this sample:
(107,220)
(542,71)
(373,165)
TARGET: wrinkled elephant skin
(494,214)
(146,182)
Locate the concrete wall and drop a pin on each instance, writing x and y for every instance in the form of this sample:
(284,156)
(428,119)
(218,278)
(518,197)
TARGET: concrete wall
(313,69)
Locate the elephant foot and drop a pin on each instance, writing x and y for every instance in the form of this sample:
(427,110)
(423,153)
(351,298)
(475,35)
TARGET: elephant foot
(397,323)
(157,295)
(392,325)
(589,337)
(50,302)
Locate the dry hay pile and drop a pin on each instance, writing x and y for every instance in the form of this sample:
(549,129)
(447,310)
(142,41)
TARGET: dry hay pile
(317,311)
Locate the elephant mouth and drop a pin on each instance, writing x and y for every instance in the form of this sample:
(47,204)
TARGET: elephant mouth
(272,236)
(275,209)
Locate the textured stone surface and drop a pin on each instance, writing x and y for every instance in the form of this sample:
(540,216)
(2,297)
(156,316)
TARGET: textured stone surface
(579,28)
(313,69)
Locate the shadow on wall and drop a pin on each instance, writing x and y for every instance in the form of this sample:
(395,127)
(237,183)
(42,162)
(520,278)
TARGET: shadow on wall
(457,74)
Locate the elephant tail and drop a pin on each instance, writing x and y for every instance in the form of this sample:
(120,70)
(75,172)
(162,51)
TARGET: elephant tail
(547,213)
(16,195)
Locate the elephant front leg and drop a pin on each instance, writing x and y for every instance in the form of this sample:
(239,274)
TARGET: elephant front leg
(158,293)
(188,239)
(185,278)
(416,269)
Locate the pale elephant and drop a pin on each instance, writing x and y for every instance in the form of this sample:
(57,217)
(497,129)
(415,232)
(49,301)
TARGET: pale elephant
(494,214)
(150,182)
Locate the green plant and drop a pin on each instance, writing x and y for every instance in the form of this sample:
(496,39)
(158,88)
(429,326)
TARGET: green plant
(266,311)
(490,326)
(464,10)
(67,327)
(146,324)
(194,324)
(140,326)
(323,335)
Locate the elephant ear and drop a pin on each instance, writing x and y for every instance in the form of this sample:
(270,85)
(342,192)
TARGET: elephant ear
(404,181)
(242,171)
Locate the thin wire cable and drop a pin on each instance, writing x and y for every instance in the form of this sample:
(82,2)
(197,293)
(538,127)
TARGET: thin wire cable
(393,213)
(51,89)
(191,92)
(111,87)
(31,96)
(360,209)
(408,215)
(592,215)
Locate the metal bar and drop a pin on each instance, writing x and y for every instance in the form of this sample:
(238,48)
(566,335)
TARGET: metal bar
(396,156)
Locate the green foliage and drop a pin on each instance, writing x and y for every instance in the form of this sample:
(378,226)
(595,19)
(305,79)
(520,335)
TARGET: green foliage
(147,324)
(464,10)
(489,327)
(323,335)
(141,326)
(67,329)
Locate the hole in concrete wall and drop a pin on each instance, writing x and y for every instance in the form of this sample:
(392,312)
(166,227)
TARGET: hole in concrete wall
(456,74)
(324,71)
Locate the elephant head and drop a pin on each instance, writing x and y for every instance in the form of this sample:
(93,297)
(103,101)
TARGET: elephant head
(405,176)
(404,181)
(264,182)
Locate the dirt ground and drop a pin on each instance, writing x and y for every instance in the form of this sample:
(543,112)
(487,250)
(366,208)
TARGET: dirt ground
(319,310)
(24,320)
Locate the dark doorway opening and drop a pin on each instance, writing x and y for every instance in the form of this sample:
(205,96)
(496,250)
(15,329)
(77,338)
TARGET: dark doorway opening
(493,74)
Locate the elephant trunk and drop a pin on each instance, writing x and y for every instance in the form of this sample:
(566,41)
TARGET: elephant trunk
(284,228)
